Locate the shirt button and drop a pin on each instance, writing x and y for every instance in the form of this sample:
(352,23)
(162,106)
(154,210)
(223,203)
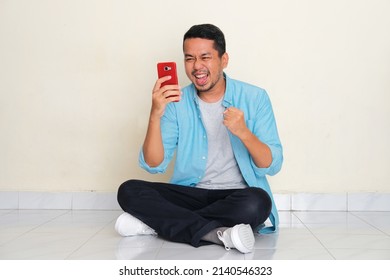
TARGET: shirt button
(203,157)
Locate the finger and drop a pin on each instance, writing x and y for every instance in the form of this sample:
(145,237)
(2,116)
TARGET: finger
(173,98)
(226,124)
(159,82)
(232,110)
(229,112)
(171,88)
(166,91)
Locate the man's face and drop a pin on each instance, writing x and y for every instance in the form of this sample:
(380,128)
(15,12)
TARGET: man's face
(203,65)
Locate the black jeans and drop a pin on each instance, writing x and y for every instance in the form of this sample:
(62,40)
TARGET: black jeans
(185,214)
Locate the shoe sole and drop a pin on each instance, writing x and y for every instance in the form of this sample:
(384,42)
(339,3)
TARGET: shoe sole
(243,238)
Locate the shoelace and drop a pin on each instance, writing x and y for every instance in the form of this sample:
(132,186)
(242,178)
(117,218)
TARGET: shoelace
(220,236)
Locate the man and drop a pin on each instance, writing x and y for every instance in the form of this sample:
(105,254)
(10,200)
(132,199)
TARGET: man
(225,138)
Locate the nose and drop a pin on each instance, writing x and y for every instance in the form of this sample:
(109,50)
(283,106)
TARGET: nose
(197,64)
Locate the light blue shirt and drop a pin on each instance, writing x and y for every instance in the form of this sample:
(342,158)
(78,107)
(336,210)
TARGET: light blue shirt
(183,131)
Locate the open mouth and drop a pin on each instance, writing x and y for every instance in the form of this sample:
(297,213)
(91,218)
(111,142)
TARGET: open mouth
(201,79)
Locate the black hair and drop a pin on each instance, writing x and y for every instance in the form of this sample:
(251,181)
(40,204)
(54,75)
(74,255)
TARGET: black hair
(210,32)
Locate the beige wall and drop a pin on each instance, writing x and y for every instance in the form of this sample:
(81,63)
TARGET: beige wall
(76,78)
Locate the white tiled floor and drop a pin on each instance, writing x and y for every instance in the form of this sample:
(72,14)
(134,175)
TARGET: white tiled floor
(83,234)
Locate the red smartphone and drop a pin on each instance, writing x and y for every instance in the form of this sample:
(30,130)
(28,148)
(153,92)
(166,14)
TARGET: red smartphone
(167,69)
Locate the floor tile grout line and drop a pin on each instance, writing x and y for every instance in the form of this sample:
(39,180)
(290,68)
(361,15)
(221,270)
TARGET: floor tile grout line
(314,235)
(159,250)
(6,212)
(93,235)
(368,223)
(34,228)
(88,239)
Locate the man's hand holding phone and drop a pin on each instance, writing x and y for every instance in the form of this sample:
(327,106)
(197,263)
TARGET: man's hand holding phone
(166,89)
(162,95)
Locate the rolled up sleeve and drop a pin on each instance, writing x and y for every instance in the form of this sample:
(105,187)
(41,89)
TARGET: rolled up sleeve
(169,130)
(265,129)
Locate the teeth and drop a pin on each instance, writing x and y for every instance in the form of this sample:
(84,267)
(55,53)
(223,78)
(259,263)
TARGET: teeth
(200,76)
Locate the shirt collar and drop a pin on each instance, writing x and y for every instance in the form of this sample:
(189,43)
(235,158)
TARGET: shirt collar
(228,98)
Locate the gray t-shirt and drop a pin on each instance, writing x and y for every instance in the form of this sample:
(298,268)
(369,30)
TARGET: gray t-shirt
(222,171)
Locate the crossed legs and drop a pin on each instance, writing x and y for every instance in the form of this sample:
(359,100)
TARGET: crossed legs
(187,214)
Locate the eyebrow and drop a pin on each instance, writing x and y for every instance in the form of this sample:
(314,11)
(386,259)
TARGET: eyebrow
(203,54)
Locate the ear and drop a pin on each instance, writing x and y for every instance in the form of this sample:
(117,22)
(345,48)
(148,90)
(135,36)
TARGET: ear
(225,60)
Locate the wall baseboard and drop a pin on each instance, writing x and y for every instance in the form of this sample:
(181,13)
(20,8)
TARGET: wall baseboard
(284,202)
(333,201)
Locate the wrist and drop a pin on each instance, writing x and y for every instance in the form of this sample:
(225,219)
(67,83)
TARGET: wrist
(245,135)
(155,116)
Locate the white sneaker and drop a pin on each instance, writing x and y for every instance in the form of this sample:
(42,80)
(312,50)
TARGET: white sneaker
(128,225)
(240,237)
